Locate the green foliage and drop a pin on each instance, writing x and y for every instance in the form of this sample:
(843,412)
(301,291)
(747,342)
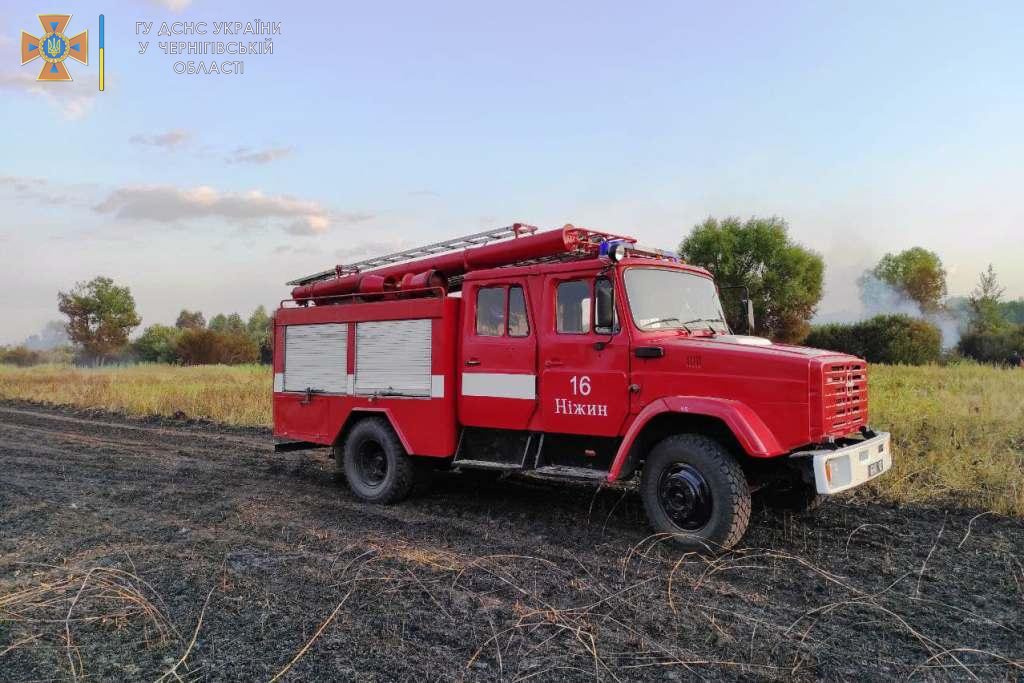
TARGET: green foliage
(158,344)
(1001,346)
(984,304)
(1013,311)
(190,320)
(203,347)
(893,339)
(101,315)
(784,278)
(916,272)
(260,327)
(218,323)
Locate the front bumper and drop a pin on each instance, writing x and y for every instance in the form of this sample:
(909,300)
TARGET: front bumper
(848,466)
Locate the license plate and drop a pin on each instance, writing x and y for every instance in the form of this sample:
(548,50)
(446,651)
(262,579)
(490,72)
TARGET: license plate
(874,468)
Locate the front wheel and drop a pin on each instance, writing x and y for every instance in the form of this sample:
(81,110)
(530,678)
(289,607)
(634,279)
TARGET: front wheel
(693,489)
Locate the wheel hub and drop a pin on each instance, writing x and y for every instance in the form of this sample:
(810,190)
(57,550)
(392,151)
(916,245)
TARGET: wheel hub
(373,463)
(685,496)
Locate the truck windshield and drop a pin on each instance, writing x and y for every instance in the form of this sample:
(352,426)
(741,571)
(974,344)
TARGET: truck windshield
(672,299)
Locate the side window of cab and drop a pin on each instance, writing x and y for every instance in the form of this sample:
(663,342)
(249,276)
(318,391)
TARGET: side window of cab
(586,305)
(501,312)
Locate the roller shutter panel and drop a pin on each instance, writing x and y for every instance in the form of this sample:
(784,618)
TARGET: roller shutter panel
(316,357)
(393,357)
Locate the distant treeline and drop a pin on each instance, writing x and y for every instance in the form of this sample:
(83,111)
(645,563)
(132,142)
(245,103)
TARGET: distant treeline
(227,339)
(990,331)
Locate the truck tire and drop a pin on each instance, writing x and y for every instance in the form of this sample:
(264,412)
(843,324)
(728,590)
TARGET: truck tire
(375,463)
(693,489)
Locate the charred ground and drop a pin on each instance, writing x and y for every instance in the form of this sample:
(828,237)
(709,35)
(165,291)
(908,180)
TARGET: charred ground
(148,548)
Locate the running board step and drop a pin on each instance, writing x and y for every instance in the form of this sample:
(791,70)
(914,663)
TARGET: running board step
(486,465)
(565,472)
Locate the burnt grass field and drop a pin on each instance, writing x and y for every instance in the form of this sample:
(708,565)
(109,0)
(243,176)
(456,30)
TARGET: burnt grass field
(170,550)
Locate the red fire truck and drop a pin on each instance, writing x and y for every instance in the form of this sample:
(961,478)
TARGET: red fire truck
(567,353)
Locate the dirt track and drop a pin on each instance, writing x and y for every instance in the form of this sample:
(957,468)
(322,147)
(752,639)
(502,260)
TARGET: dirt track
(474,580)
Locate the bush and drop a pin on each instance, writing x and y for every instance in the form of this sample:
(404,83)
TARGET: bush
(157,344)
(999,346)
(889,339)
(20,356)
(205,347)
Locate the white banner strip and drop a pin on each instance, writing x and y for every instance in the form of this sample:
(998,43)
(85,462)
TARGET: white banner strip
(499,385)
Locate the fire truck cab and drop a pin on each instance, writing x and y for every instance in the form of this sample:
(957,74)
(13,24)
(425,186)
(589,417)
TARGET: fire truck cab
(570,354)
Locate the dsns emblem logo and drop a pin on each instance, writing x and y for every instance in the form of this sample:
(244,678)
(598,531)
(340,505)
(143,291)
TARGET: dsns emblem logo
(54,47)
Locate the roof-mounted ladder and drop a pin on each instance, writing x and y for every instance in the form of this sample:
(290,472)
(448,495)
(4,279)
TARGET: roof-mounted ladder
(474,240)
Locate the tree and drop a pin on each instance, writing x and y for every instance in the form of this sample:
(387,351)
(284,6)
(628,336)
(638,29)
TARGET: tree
(201,347)
(101,315)
(190,320)
(985,303)
(234,324)
(916,273)
(1013,311)
(219,322)
(158,344)
(785,280)
(259,328)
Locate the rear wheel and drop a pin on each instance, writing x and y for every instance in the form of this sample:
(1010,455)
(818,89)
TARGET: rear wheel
(694,489)
(375,463)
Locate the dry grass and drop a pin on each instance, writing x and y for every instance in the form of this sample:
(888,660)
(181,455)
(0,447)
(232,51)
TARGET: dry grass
(958,435)
(57,602)
(959,430)
(237,395)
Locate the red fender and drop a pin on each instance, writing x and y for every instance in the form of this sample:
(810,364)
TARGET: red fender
(386,412)
(746,425)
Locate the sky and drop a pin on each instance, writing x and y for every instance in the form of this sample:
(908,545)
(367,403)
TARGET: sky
(870,127)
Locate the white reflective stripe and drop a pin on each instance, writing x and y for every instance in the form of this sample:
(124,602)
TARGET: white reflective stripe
(278,381)
(351,384)
(437,386)
(499,385)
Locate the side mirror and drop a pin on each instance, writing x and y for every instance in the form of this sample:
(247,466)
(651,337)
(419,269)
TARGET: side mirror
(604,310)
(748,307)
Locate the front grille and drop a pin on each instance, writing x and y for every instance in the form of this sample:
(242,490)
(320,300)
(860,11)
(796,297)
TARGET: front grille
(845,397)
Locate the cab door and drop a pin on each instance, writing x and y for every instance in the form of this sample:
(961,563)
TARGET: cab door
(498,364)
(584,358)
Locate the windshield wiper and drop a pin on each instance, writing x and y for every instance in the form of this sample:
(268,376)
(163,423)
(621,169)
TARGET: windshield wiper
(665,320)
(707,322)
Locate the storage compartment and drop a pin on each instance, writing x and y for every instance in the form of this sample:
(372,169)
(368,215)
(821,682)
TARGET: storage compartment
(315,357)
(393,357)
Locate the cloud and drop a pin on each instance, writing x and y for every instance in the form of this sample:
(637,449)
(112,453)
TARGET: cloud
(171,139)
(74,99)
(371,248)
(38,191)
(308,225)
(293,249)
(165,204)
(173,5)
(245,155)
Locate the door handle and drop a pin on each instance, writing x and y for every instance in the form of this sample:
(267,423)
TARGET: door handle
(553,363)
(473,361)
